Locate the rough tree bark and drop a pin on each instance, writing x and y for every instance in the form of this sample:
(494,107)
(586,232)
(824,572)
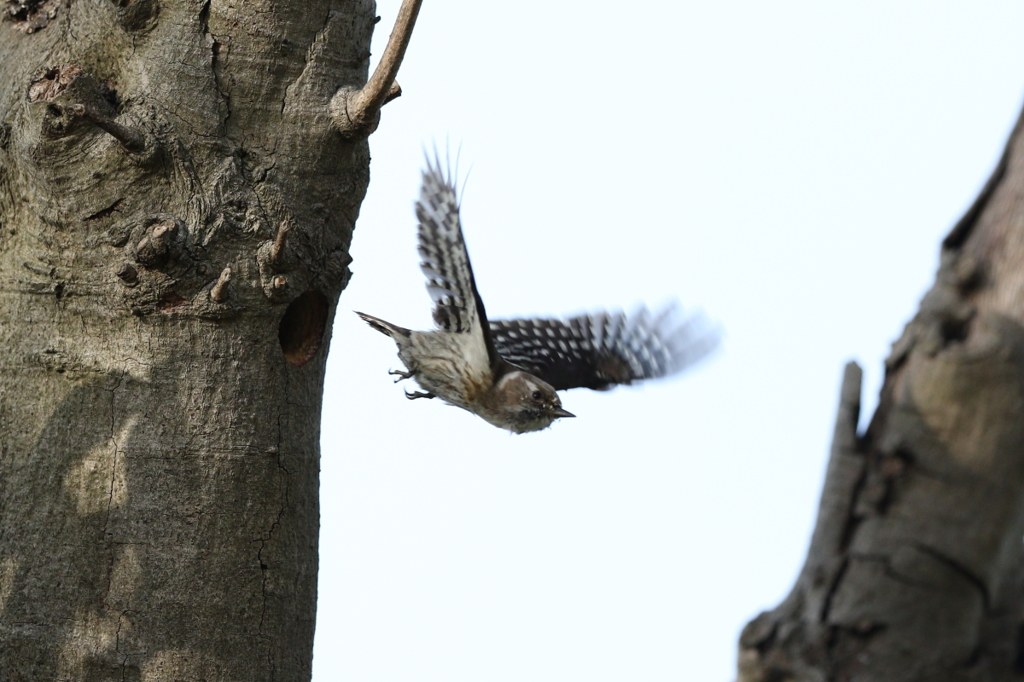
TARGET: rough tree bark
(916,566)
(179,180)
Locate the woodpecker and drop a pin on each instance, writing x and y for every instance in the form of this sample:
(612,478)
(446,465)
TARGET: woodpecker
(509,371)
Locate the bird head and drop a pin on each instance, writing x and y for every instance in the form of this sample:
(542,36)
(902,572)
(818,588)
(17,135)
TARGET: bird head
(525,403)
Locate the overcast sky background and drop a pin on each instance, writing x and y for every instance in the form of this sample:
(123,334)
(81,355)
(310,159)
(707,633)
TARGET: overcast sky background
(789,167)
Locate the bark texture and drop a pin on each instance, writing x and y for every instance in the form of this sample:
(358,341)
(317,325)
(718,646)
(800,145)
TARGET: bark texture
(176,209)
(916,567)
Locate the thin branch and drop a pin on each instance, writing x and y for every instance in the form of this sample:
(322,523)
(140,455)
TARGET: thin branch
(279,241)
(375,92)
(219,292)
(356,112)
(131,140)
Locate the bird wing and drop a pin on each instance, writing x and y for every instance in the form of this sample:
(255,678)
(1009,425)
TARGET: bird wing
(601,350)
(445,263)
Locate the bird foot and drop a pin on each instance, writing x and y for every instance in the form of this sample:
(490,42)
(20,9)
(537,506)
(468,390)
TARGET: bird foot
(400,374)
(418,394)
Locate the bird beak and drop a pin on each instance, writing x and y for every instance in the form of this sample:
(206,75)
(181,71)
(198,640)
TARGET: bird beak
(559,412)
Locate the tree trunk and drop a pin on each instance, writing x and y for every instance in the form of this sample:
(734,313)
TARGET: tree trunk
(176,208)
(916,566)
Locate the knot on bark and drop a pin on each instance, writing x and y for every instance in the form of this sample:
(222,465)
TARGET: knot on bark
(137,16)
(30,16)
(163,240)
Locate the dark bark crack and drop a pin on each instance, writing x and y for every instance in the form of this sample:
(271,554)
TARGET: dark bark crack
(955,566)
(958,568)
(833,587)
(853,519)
(264,568)
(104,212)
(113,445)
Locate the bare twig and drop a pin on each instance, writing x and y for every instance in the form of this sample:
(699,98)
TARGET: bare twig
(128,274)
(278,247)
(219,292)
(356,112)
(131,140)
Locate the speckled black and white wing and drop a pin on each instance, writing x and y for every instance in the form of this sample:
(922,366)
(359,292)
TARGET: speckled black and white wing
(445,263)
(601,350)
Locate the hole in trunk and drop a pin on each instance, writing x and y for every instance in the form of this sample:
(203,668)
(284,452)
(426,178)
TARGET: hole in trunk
(302,328)
(955,331)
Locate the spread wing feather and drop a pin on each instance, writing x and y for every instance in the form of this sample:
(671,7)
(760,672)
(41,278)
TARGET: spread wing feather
(601,350)
(445,263)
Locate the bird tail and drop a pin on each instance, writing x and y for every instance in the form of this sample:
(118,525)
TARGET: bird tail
(392,330)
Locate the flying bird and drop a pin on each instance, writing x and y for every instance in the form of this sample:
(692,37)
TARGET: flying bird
(508,372)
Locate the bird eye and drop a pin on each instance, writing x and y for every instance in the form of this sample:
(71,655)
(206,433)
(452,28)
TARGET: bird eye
(537,395)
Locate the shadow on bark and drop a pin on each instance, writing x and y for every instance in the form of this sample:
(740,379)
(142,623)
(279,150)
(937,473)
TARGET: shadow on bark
(133,557)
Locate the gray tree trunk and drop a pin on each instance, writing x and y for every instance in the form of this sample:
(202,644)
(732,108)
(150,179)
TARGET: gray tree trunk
(916,567)
(176,209)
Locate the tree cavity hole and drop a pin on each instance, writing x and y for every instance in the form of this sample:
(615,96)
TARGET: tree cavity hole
(302,328)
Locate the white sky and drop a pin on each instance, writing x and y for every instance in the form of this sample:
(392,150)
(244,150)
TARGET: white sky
(790,167)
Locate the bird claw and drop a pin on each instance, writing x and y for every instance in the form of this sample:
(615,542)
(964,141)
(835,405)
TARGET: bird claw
(418,394)
(400,374)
